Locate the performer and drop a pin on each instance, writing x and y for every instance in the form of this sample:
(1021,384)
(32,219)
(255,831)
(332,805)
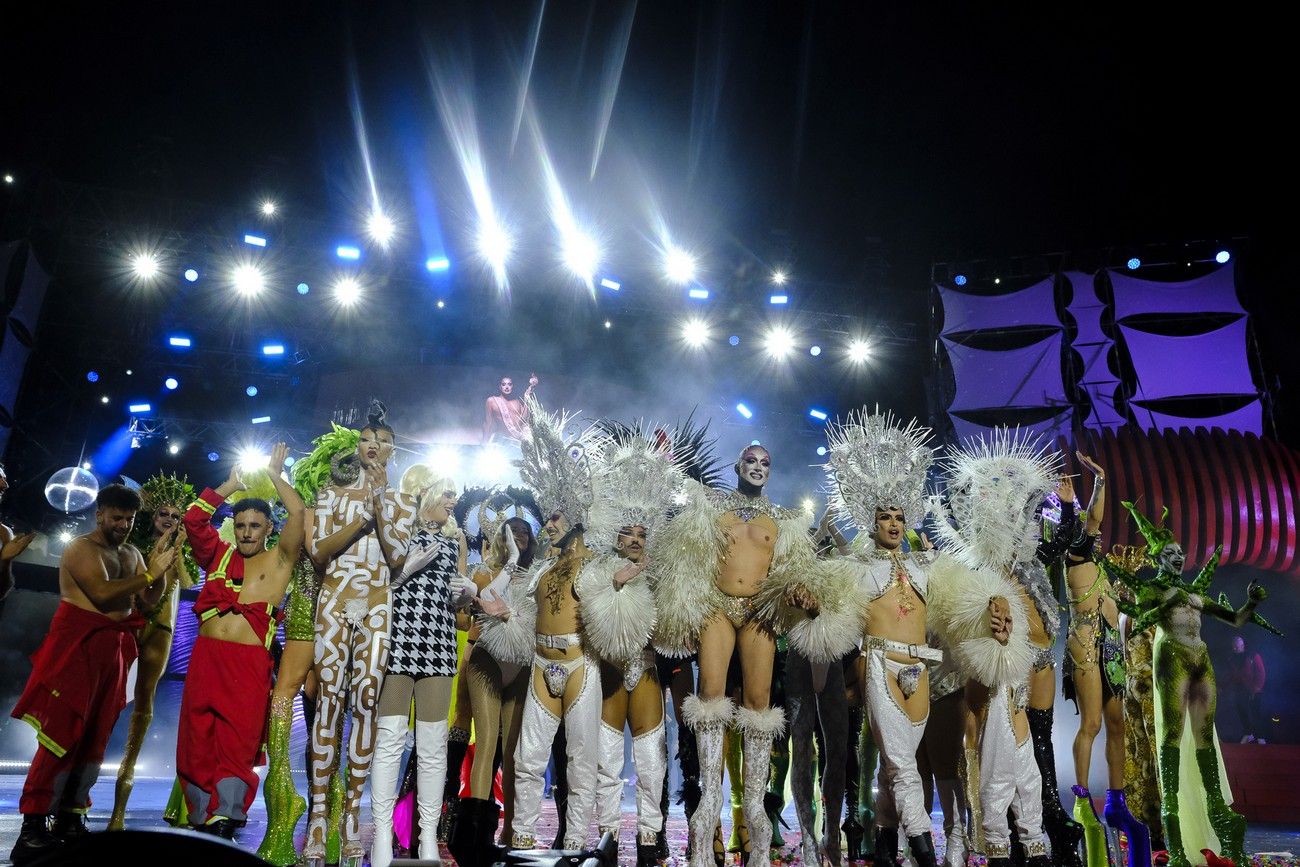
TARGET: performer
(507,416)
(228,684)
(284,806)
(742,571)
(1094,678)
(428,561)
(1185,690)
(11,546)
(634,487)
(352,621)
(877,469)
(77,686)
(165,499)
(994,487)
(1140,774)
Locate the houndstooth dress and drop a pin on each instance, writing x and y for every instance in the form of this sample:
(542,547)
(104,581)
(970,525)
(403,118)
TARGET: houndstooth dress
(423,633)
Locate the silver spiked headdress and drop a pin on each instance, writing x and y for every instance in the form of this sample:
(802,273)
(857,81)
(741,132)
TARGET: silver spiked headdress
(874,462)
(635,481)
(557,466)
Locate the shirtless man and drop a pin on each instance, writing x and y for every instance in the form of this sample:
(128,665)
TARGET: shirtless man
(504,415)
(77,687)
(228,685)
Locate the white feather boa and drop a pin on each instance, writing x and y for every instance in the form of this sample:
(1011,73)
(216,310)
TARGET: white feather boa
(512,641)
(615,623)
(957,610)
(684,572)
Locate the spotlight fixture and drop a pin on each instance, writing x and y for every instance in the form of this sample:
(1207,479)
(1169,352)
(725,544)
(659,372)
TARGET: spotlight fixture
(1134,263)
(997,281)
(248,280)
(734,340)
(347,251)
(381,228)
(695,332)
(580,254)
(171,383)
(261,419)
(144,266)
(437,263)
(251,391)
(779,277)
(268,208)
(814,350)
(778,342)
(273,349)
(191,275)
(778,299)
(859,350)
(254,240)
(818,414)
(173,449)
(9,179)
(679,265)
(441,304)
(290,461)
(86,465)
(821,451)
(494,245)
(214,456)
(180,341)
(1222,257)
(303,288)
(960,280)
(139,407)
(92,376)
(612,285)
(608,324)
(250,459)
(699,294)
(103,398)
(744,410)
(347,291)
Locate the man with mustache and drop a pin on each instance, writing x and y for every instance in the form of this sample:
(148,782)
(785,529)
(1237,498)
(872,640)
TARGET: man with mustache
(77,687)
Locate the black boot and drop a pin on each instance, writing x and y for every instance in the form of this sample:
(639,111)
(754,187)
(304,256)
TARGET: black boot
(852,827)
(661,836)
(886,847)
(457,746)
(922,846)
(647,855)
(476,823)
(69,827)
(1064,833)
(560,784)
(34,840)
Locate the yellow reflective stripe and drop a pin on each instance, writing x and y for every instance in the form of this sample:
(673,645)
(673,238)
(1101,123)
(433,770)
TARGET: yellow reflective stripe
(208,615)
(42,738)
(222,566)
(205,506)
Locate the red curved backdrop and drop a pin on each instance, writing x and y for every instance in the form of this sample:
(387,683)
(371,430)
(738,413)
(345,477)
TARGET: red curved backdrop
(1234,489)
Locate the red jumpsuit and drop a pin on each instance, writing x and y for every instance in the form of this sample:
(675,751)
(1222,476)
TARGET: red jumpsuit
(227,687)
(73,697)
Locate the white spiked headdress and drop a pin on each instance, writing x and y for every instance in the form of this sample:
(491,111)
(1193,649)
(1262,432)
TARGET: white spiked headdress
(635,481)
(876,462)
(555,466)
(994,488)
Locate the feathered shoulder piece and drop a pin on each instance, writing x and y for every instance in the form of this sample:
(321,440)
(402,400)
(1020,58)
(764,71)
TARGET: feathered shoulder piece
(556,465)
(318,470)
(987,518)
(877,462)
(635,482)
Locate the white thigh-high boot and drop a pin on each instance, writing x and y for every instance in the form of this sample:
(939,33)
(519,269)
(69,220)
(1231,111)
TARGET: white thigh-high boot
(581,718)
(609,786)
(708,719)
(385,766)
(650,753)
(536,734)
(431,747)
(758,728)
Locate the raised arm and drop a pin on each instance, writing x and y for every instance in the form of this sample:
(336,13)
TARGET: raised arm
(294,531)
(1237,617)
(1096,505)
(204,540)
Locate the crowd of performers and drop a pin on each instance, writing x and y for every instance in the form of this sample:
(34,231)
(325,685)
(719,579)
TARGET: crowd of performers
(817,658)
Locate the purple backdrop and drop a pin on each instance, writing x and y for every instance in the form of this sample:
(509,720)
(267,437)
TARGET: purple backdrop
(1030,376)
(1216,292)
(1248,419)
(1210,363)
(1033,305)
(1086,308)
(1048,429)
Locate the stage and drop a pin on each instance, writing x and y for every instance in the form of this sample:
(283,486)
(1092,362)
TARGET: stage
(151,794)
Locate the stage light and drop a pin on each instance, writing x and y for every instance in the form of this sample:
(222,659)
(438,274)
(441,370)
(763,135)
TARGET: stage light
(347,291)
(255,240)
(64,536)
(191,275)
(695,332)
(444,461)
(1222,257)
(135,442)
(819,414)
(679,266)
(858,351)
(129,371)
(580,254)
(744,410)
(348,252)
(250,459)
(248,280)
(778,299)
(214,456)
(611,284)
(92,376)
(381,228)
(1134,263)
(608,324)
(251,391)
(268,208)
(103,398)
(273,349)
(144,266)
(437,263)
(303,288)
(9,179)
(808,505)
(290,461)
(86,465)
(139,407)
(814,350)
(494,245)
(261,419)
(172,383)
(491,463)
(699,294)
(441,304)
(734,340)
(779,277)
(778,342)
(173,449)
(960,279)
(821,451)
(180,341)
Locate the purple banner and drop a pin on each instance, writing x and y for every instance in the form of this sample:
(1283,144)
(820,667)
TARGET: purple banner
(1087,309)
(1048,430)
(1096,366)
(1211,363)
(1216,292)
(1103,413)
(1026,377)
(1033,305)
(1248,419)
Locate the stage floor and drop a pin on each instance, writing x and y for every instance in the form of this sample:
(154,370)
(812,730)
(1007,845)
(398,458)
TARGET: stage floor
(151,794)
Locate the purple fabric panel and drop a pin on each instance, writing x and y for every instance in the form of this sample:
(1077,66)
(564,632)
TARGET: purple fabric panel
(1025,377)
(1211,363)
(1248,419)
(1103,413)
(1095,366)
(1216,292)
(1033,305)
(1086,308)
(1048,430)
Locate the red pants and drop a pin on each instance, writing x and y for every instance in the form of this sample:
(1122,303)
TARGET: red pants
(75,693)
(222,728)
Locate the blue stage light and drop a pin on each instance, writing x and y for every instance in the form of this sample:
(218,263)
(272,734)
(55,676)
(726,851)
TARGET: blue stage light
(214,456)
(819,414)
(273,349)
(180,342)
(139,407)
(303,288)
(92,376)
(778,299)
(261,419)
(960,279)
(744,410)
(255,240)
(171,383)
(290,461)
(1222,257)
(1134,263)
(251,391)
(699,294)
(191,275)
(348,252)
(733,340)
(821,451)
(610,284)
(814,350)
(438,263)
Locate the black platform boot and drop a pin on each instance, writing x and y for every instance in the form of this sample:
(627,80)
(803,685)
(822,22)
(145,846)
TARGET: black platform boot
(560,784)
(457,746)
(1064,833)
(854,833)
(886,847)
(922,846)
(34,840)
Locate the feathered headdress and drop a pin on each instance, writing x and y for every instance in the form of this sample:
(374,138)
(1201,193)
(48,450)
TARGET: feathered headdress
(166,490)
(994,488)
(687,443)
(876,462)
(334,452)
(635,482)
(558,470)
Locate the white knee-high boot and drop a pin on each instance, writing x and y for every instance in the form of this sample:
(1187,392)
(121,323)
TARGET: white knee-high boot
(707,719)
(385,766)
(609,776)
(431,747)
(650,753)
(758,728)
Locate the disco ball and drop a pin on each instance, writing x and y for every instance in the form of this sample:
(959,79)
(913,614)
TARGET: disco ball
(71,489)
